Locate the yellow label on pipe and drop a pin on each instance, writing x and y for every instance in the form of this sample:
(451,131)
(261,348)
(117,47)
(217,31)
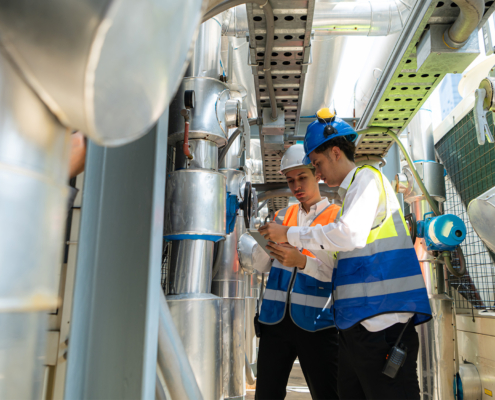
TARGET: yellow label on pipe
(488,392)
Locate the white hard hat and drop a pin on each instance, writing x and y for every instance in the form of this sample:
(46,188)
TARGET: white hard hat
(293,158)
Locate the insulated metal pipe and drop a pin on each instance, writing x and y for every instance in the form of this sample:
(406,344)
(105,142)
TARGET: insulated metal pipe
(34,169)
(361,18)
(172,358)
(470,16)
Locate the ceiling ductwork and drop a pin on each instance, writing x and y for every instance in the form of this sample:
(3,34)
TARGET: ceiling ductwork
(362,18)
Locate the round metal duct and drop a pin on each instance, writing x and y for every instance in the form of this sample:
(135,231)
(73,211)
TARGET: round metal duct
(481,212)
(106,67)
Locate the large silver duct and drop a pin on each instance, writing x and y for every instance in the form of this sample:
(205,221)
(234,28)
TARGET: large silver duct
(437,340)
(363,18)
(108,68)
(322,74)
(34,168)
(205,60)
(372,70)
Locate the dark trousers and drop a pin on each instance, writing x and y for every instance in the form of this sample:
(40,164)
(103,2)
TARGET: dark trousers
(362,355)
(280,344)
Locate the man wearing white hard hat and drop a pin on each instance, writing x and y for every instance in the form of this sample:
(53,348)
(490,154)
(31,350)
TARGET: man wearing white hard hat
(297,316)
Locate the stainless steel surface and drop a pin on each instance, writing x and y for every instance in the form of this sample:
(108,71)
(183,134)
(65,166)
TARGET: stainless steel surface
(361,18)
(190,266)
(198,319)
(481,212)
(253,284)
(420,136)
(207,116)
(204,152)
(205,60)
(251,254)
(471,382)
(186,213)
(436,351)
(471,13)
(34,160)
(233,324)
(108,68)
(431,173)
(172,358)
(434,56)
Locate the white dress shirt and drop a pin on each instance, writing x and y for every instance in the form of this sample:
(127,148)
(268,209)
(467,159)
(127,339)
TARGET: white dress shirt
(320,267)
(361,212)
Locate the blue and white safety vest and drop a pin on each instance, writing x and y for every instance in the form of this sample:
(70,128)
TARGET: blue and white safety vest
(385,275)
(309,299)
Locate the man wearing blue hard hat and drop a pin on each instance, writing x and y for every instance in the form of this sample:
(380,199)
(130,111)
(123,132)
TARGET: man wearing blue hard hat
(379,291)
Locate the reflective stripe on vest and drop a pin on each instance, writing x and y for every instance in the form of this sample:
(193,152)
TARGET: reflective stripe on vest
(385,275)
(310,299)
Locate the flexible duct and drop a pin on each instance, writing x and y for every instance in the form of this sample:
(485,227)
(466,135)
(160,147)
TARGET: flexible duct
(362,18)
(172,358)
(465,24)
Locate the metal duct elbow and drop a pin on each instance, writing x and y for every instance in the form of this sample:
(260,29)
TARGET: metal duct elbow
(251,255)
(361,19)
(471,13)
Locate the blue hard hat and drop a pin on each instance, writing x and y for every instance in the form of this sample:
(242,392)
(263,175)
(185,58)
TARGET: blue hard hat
(316,135)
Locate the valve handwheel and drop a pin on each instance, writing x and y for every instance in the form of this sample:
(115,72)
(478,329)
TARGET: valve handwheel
(247,203)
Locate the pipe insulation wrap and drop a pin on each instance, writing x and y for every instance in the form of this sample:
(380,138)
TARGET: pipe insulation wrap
(362,19)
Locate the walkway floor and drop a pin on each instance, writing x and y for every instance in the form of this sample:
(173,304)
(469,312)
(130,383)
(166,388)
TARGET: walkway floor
(296,388)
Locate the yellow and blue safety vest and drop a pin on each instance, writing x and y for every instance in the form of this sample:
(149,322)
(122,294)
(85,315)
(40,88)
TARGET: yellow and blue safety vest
(309,298)
(385,275)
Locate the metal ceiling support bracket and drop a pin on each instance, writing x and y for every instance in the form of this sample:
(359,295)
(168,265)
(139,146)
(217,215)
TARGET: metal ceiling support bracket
(482,128)
(433,56)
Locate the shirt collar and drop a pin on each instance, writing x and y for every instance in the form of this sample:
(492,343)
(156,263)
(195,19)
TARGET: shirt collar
(318,207)
(345,183)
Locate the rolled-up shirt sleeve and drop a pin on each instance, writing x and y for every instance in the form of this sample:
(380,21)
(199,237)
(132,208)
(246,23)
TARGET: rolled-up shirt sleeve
(353,228)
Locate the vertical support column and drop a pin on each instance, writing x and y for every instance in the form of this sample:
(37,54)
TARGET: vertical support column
(113,341)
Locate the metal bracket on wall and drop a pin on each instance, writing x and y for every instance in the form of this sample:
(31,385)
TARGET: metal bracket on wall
(482,128)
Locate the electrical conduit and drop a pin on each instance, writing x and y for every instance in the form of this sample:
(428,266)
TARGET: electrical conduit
(429,199)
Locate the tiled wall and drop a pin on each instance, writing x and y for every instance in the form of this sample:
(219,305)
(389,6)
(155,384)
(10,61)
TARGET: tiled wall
(470,172)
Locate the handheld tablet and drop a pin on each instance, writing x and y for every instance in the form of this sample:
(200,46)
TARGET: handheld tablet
(260,239)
